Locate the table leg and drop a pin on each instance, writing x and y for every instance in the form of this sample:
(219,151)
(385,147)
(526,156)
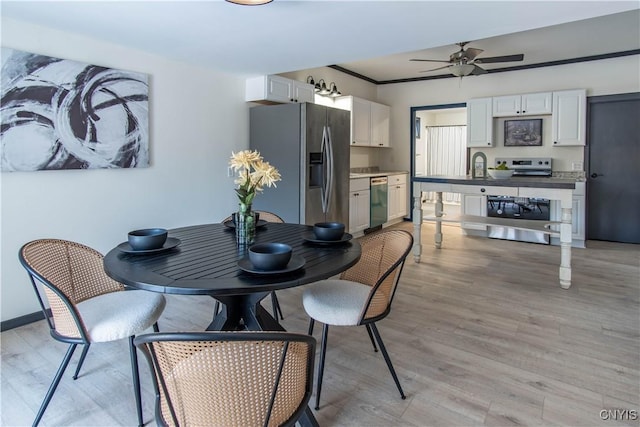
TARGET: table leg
(244,312)
(417,225)
(439,209)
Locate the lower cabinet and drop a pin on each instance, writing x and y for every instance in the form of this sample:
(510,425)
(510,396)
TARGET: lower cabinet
(359,207)
(476,205)
(397,196)
(578,215)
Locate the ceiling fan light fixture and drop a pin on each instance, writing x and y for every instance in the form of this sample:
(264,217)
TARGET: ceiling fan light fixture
(249,2)
(461,70)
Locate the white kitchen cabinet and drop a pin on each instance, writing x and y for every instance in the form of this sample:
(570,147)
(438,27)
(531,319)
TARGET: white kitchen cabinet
(369,121)
(480,122)
(359,204)
(529,104)
(397,196)
(275,88)
(569,120)
(476,205)
(380,115)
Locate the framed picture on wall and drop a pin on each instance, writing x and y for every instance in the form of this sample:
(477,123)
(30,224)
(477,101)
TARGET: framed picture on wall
(62,114)
(519,133)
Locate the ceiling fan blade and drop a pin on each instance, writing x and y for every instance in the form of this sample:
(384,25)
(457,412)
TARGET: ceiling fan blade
(472,53)
(477,71)
(506,58)
(429,60)
(434,69)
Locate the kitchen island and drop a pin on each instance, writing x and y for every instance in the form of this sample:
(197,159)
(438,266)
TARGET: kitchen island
(546,188)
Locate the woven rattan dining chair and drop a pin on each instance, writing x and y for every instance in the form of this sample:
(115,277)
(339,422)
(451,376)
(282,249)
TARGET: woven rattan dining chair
(362,295)
(229,379)
(86,305)
(269,217)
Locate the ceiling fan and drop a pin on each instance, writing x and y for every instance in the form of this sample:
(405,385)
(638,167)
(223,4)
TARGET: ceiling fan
(464,62)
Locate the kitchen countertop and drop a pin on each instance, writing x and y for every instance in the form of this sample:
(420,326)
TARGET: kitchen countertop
(528,181)
(356,175)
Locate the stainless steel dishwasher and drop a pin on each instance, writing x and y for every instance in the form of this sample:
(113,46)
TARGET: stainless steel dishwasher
(378,201)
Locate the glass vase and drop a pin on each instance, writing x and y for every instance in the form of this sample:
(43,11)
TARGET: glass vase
(245,227)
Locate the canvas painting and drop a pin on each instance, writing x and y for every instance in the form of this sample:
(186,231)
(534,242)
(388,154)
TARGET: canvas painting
(62,114)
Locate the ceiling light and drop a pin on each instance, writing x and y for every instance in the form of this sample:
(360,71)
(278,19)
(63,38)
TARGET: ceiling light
(461,70)
(250,2)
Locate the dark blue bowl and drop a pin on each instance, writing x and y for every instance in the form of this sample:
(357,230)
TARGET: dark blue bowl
(147,239)
(270,256)
(328,230)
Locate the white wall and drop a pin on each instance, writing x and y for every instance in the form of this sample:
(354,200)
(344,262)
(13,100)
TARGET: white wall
(197,117)
(604,77)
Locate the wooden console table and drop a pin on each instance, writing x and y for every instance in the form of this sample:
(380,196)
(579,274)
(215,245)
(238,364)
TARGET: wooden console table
(544,188)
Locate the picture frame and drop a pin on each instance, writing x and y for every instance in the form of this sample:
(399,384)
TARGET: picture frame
(60,114)
(523,133)
(417,130)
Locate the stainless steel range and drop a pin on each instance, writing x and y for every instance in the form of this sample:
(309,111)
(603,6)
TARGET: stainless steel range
(520,207)
(527,166)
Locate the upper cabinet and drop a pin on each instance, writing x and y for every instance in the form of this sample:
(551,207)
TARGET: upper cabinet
(479,123)
(369,121)
(529,104)
(569,117)
(567,108)
(380,115)
(278,89)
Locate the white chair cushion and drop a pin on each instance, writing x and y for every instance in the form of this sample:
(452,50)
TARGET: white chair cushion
(335,302)
(118,315)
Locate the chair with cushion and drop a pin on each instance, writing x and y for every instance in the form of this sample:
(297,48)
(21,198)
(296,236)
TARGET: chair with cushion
(269,217)
(229,379)
(362,295)
(86,305)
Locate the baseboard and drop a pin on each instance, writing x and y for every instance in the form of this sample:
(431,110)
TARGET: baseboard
(21,321)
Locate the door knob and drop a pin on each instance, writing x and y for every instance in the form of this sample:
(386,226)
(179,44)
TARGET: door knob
(595,175)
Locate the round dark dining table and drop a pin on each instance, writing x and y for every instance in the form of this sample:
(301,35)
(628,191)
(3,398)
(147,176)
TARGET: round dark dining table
(205,262)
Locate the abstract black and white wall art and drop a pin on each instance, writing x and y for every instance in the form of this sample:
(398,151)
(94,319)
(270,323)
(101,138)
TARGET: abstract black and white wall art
(62,114)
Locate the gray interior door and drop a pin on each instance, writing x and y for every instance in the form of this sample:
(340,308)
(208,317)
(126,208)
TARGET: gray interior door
(613,173)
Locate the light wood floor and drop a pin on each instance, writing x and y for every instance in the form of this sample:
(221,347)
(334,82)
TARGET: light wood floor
(480,333)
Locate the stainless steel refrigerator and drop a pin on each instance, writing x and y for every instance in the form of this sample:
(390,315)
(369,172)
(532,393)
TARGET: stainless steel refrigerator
(309,145)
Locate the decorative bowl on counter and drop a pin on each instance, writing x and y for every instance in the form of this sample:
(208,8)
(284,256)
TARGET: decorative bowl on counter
(328,230)
(500,174)
(270,256)
(147,239)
